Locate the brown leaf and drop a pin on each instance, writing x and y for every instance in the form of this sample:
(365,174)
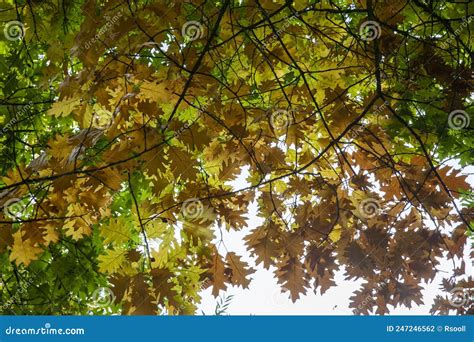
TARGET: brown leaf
(292,276)
(239,270)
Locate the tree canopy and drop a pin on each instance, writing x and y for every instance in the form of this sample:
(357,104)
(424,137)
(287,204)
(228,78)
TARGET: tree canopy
(125,123)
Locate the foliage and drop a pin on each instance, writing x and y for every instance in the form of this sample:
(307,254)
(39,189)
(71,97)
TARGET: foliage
(123,124)
(223,305)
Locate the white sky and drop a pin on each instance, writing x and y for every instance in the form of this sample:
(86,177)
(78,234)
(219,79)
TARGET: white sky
(263,297)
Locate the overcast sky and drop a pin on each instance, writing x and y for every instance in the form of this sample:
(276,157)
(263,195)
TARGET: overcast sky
(264,297)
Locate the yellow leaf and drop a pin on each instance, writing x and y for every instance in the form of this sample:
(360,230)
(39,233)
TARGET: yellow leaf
(159,92)
(79,225)
(162,255)
(64,107)
(76,228)
(329,173)
(116,231)
(50,234)
(335,234)
(23,251)
(156,228)
(112,260)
